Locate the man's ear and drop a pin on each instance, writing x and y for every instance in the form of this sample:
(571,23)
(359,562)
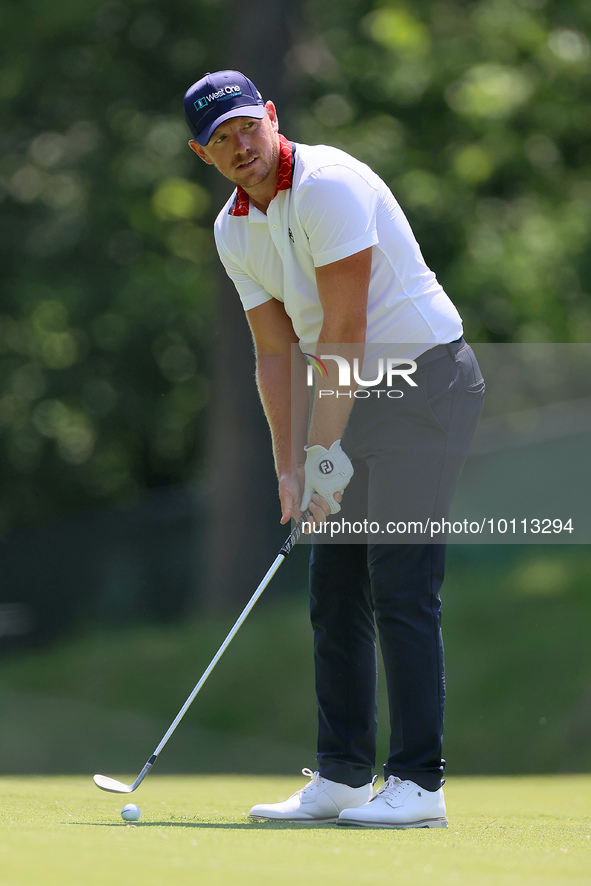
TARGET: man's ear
(272,115)
(199,150)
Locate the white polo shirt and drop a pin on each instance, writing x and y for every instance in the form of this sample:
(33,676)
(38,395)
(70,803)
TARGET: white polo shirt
(336,206)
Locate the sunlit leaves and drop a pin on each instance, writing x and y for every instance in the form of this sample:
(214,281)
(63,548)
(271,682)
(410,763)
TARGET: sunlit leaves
(473,163)
(70,427)
(176,198)
(570,46)
(398,30)
(490,90)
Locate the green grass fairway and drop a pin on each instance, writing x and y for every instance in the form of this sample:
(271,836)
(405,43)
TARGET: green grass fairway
(194,830)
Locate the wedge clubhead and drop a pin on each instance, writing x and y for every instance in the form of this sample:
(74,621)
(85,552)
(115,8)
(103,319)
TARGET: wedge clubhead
(111,784)
(118,787)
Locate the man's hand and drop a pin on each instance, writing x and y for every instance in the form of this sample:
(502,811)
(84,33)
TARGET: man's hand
(326,472)
(290,495)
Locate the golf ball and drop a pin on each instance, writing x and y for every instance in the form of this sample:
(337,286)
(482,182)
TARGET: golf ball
(130,812)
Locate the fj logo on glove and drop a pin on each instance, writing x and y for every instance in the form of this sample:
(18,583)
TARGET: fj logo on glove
(326,472)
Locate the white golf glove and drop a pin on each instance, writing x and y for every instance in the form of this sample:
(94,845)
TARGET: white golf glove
(326,471)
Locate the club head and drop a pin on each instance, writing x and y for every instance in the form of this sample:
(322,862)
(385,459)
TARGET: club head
(111,784)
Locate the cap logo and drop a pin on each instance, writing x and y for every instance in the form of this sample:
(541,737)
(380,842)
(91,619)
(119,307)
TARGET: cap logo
(219,96)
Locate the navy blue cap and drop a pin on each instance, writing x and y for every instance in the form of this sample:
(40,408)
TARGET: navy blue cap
(218,97)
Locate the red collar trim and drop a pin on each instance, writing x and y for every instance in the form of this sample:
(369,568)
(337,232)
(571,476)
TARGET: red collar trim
(241,204)
(285,171)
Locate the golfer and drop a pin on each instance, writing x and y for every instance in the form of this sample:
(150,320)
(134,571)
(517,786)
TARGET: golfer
(324,261)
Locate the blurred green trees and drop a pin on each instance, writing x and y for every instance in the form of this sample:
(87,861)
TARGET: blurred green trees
(105,312)
(478,116)
(476,113)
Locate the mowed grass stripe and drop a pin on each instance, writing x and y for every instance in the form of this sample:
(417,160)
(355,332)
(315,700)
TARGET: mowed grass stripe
(195,830)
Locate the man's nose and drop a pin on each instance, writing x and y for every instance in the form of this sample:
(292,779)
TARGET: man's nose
(240,142)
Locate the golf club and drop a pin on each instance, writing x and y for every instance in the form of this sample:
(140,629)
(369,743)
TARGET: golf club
(118,787)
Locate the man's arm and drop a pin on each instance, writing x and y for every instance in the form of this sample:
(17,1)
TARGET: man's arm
(285,401)
(343,290)
(273,336)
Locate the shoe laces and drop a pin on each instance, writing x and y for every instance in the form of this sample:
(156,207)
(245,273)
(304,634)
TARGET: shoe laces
(389,788)
(313,783)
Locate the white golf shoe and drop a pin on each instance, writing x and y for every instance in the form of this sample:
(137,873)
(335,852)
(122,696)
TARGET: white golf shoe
(399,804)
(320,800)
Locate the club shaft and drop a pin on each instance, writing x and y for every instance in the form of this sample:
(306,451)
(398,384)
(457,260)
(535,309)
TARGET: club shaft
(271,572)
(287,547)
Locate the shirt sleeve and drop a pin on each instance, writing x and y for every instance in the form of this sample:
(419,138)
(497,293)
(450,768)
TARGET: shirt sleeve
(337,208)
(251,293)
